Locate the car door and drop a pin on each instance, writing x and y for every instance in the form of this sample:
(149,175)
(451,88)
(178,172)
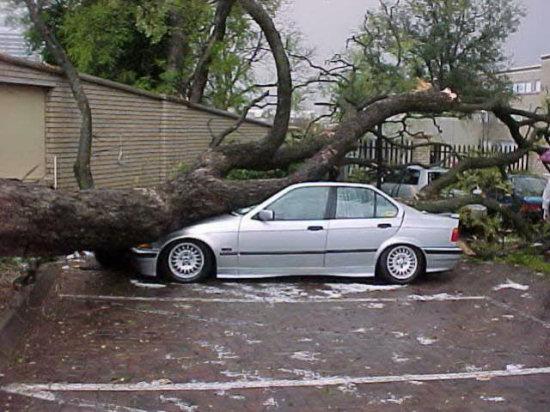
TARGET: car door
(362,220)
(293,242)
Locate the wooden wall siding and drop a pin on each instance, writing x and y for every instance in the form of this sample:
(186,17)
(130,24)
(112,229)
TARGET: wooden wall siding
(126,136)
(139,139)
(186,133)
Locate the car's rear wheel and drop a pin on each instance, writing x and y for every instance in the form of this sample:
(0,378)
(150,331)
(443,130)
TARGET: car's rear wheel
(400,264)
(186,261)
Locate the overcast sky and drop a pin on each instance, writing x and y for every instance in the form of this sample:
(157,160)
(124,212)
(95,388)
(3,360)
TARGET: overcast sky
(326,24)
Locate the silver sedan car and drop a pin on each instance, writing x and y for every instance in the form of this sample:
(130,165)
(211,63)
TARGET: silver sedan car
(337,229)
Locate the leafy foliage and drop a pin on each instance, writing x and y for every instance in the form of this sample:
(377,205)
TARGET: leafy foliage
(361,175)
(245,174)
(489,181)
(456,44)
(487,228)
(131,42)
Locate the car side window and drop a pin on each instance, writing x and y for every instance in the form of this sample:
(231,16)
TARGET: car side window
(362,203)
(305,203)
(385,208)
(355,203)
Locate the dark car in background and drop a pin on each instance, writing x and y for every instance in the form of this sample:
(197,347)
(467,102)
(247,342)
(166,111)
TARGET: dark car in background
(526,195)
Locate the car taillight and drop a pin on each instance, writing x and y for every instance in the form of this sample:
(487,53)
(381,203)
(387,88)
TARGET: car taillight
(527,208)
(455,235)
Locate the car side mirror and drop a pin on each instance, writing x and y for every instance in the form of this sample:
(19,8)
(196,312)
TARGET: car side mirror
(266,215)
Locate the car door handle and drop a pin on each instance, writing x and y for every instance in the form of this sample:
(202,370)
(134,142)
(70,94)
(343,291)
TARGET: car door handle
(384,225)
(315,228)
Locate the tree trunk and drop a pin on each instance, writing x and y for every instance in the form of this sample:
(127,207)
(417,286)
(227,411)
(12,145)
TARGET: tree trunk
(82,169)
(177,43)
(379,157)
(200,76)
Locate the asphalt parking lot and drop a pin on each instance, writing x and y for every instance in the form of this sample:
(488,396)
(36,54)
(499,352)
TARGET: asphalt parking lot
(476,338)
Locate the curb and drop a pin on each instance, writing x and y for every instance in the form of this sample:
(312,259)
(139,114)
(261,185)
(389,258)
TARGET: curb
(14,322)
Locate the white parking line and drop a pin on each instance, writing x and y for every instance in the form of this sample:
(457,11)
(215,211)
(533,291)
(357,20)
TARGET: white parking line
(40,388)
(259,299)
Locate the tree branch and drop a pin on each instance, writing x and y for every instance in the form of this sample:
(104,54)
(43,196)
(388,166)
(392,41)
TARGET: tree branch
(218,139)
(200,76)
(455,203)
(82,169)
(472,163)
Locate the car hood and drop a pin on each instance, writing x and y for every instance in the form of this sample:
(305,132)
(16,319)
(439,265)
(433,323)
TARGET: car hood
(218,224)
(223,223)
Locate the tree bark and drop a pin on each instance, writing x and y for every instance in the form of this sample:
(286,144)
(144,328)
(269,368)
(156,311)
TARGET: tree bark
(200,76)
(177,43)
(82,169)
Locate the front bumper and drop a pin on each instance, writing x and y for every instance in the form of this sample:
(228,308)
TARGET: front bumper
(145,261)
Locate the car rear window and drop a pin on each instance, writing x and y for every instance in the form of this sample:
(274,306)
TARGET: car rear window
(529,186)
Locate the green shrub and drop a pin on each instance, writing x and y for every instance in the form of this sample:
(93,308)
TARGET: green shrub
(490,181)
(245,174)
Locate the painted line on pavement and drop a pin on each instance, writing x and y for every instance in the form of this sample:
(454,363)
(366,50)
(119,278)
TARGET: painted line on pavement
(28,389)
(411,298)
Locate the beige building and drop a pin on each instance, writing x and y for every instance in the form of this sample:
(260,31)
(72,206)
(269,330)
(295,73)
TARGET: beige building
(139,138)
(531,85)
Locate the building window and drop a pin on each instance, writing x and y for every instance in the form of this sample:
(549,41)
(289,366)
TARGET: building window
(526,87)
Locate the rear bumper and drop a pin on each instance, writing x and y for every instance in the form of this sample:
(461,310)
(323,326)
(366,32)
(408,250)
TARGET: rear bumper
(144,261)
(441,259)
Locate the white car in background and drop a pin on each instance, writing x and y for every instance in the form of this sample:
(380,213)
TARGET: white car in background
(406,183)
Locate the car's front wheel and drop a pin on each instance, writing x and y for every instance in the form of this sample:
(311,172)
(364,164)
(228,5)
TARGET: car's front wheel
(400,264)
(186,261)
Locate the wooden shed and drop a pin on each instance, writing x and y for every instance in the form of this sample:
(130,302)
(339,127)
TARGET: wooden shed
(139,138)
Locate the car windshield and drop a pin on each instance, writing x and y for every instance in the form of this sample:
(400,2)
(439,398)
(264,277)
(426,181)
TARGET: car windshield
(529,186)
(404,177)
(243,210)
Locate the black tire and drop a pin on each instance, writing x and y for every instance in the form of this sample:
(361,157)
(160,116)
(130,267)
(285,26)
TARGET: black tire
(168,272)
(385,265)
(113,259)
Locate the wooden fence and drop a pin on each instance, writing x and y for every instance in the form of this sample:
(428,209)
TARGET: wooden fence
(394,154)
(440,155)
(446,156)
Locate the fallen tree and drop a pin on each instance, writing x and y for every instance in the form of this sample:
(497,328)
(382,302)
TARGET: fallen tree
(37,220)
